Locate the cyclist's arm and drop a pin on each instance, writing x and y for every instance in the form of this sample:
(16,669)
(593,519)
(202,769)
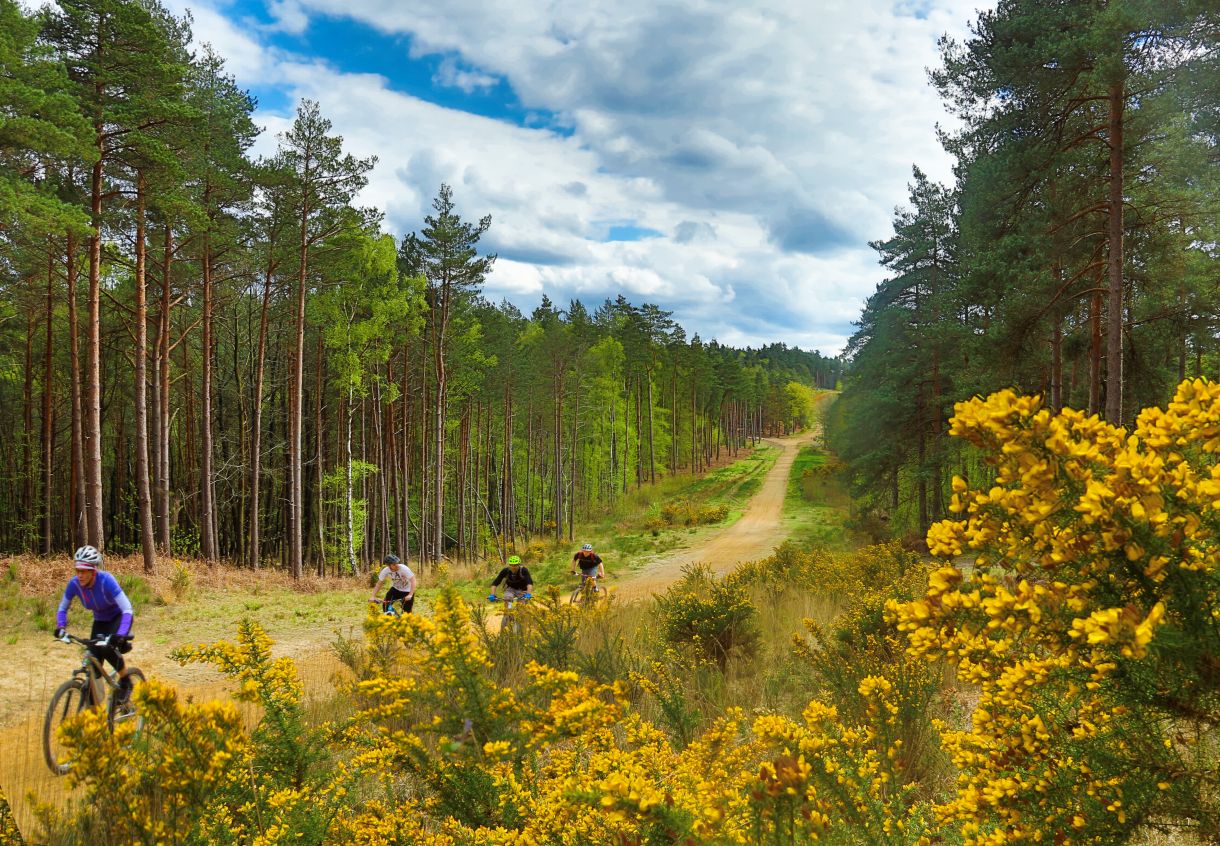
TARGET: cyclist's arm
(601,568)
(120,599)
(61,614)
(503,575)
(411,580)
(376,590)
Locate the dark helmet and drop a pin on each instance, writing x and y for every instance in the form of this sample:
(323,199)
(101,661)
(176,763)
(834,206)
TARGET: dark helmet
(391,559)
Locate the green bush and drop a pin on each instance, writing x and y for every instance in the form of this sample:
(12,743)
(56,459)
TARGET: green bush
(139,592)
(709,615)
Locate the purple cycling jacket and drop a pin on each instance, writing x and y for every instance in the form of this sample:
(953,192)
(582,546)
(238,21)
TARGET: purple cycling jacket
(105,599)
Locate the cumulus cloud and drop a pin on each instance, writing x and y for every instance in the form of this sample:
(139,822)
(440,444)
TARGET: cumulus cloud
(767,142)
(451,75)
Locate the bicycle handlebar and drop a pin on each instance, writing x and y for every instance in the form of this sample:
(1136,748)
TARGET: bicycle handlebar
(71,638)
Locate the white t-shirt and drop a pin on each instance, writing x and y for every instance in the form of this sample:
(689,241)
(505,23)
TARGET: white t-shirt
(400,578)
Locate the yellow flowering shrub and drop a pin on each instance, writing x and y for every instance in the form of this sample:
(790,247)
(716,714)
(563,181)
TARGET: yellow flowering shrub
(157,787)
(1082,601)
(844,574)
(9,835)
(560,759)
(193,774)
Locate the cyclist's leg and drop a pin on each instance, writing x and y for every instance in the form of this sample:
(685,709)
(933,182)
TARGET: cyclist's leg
(109,654)
(408,604)
(392,595)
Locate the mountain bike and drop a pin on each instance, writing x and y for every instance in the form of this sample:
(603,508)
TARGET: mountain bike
(389,607)
(587,591)
(87,689)
(509,622)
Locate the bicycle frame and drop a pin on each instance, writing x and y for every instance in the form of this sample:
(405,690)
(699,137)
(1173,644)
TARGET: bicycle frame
(97,679)
(508,617)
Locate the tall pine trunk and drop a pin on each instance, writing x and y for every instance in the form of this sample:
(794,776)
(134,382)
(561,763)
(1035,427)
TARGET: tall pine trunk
(438,483)
(256,434)
(92,428)
(652,451)
(207,521)
(1095,307)
(164,347)
(143,491)
(296,506)
(319,464)
(1114,338)
(48,409)
(77,507)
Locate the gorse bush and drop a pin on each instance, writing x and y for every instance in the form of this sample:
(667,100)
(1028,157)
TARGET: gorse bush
(1090,622)
(845,575)
(683,513)
(194,774)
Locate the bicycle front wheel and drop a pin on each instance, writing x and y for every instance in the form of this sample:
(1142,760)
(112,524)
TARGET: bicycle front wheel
(125,712)
(68,701)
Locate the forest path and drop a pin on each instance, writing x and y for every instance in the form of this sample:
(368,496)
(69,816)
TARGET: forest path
(755,534)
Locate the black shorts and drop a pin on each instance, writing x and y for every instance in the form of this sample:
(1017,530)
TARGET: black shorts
(394,595)
(101,628)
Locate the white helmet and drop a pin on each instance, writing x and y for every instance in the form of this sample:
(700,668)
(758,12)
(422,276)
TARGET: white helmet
(587,547)
(88,558)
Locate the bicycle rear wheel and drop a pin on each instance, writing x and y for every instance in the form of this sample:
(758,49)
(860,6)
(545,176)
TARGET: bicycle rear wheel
(122,713)
(71,697)
(585,594)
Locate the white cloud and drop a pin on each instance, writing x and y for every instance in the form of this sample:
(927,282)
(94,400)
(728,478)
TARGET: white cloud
(450,75)
(767,142)
(289,16)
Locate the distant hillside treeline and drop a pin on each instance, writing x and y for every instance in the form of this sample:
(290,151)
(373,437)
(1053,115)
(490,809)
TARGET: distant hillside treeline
(1076,256)
(205,352)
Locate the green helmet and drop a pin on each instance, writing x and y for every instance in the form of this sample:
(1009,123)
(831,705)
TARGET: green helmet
(514,560)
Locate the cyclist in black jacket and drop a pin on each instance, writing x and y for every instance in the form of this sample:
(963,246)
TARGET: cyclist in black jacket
(519,584)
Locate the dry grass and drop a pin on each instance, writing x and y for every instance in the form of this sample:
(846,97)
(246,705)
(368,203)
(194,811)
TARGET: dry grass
(39,576)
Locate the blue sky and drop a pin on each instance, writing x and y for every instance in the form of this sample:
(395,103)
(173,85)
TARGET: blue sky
(729,161)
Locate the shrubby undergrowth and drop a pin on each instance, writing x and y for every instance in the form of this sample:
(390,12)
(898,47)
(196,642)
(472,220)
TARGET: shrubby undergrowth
(1063,687)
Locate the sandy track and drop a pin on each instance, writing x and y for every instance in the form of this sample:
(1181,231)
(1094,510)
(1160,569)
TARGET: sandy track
(755,534)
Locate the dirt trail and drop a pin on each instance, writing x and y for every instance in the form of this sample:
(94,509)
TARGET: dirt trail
(755,534)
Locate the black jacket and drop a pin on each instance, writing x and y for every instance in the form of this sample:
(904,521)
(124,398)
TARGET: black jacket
(517,581)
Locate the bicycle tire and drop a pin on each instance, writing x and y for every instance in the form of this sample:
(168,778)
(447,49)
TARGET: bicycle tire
(69,699)
(578,596)
(130,714)
(509,624)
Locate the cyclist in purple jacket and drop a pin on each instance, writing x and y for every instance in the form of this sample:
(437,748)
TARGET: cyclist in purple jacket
(99,591)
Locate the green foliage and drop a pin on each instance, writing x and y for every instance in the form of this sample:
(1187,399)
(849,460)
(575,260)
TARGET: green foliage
(708,615)
(1007,278)
(41,119)
(140,592)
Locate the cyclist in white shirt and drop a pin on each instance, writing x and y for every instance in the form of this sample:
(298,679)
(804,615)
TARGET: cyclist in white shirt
(402,584)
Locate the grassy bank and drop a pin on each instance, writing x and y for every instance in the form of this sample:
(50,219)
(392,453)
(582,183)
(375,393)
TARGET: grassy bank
(816,504)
